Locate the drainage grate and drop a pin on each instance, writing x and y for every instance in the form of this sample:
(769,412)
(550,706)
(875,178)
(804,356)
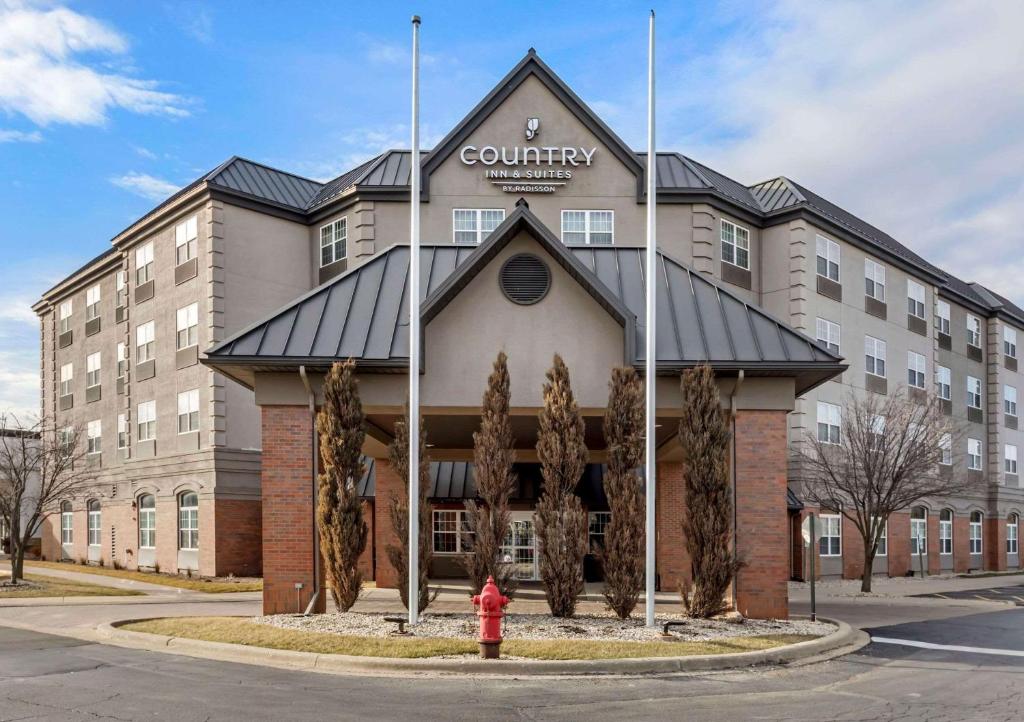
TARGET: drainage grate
(524,279)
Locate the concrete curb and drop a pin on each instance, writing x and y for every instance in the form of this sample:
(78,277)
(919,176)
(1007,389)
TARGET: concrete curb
(842,641)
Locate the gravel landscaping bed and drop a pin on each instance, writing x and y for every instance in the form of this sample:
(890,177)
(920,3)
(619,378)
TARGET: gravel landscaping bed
(540,626)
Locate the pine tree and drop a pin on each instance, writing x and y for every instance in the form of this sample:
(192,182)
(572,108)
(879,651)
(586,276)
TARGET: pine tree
(493,456)
(704,437)
(622,555)
(398,510)
(343,531)
(561,521)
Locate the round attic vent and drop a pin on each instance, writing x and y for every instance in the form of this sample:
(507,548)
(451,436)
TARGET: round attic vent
(524,279)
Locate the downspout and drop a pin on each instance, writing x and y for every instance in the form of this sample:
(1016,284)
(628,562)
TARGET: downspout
(316,471)
(735,531)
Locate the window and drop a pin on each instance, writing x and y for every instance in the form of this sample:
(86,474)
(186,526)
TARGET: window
(122,431)
(185,239)
(915,299)
(918,531)
(946,532)
(67,524)
(93,434)
(883,541)
(828,334)
(1010,341)
(120,288)
(144,340)
(333,242)
(66,437)
(450,532)
(67,376)
(599,521)
(144,264)
(874,280)
(92,303)
(975,532)
(735,244)
(828,259)
(974,454)
(942,317)
(122,360)
(94,522)
(590,227)
(147,421)
(64,314)
(828,423)
(1010,459)
(973,392)
(188,326)
(1010,400)
(973,331)
(831,542)
(92,369)
(147,521)
(877,425)
(1012,525)
(915,369)
(946,447)
(874,356)
(943,383)
(188,521)
(188,411)
(473,225)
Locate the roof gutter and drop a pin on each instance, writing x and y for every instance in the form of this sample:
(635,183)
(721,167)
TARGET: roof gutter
(315,470)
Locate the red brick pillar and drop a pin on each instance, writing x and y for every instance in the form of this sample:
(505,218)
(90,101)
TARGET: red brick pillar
(761,516)
(961,543)
(853,551)
(994,544)
(287,517)
(387,483)
(238,532)
(899,544)
(934,560)
(672,560)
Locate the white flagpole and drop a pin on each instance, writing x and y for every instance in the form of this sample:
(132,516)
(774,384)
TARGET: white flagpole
(650,324)
(414,334)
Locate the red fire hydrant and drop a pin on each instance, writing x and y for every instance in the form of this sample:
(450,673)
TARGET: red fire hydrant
(489,603)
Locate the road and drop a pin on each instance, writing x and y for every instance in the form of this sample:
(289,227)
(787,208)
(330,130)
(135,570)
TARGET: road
(44,677)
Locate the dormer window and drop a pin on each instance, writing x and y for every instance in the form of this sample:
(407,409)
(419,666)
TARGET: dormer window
(333,242)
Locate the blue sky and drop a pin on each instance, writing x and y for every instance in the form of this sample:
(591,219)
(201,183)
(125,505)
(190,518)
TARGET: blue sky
(908,114)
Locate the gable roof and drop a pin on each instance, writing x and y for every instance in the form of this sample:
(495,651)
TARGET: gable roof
(264,183)
(363,314)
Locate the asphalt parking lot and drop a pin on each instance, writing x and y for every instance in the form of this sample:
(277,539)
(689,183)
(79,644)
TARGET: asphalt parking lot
(1013,594)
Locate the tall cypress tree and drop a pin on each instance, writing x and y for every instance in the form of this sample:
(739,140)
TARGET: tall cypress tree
(707,527)
(561,520)
(343,530)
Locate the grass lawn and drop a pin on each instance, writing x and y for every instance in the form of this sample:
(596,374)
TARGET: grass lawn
(236,630)
(167,580)
(53,587)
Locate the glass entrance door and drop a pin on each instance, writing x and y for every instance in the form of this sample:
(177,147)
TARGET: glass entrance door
(520,547)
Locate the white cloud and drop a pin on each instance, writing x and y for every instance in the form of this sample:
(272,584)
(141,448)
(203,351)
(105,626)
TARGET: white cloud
(20,136)
(144,152)
(42,77)
(195,20)
(392,54)
(145,185)
(907,114)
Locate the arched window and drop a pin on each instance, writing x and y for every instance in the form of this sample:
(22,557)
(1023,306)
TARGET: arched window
(946,532)
(1012,524)
(188,520)
(918,530)
(976,533)
(67,529)
(94,522)
(147,521)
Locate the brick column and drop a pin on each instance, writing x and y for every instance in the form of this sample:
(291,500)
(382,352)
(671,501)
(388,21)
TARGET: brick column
(961,543)
(853,551)
(672,560)
(994,544)
(287,518)
(387,483)
(761,517)
(899,544)
(934,560)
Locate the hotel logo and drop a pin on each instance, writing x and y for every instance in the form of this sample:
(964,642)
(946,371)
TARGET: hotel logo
(532,128)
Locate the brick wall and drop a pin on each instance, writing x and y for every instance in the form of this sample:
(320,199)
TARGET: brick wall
(763,536)
(961,544)
(387,483)
(994,544)
(899,544)
(853,551)
(238,537)
(934,560)
(671,558)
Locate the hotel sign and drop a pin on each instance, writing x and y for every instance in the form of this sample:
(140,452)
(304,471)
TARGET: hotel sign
(528,168)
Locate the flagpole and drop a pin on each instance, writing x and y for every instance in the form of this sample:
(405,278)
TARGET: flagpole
(650,325)
(414,334)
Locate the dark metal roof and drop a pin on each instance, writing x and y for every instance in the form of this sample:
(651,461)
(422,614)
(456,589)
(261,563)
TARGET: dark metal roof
(265,183)
(346,180)
(776,194)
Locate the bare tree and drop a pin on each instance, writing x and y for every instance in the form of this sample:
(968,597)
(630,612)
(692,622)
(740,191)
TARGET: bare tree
(882,457)
(704,437)
(40,467)
(398,510)
(340,522)
(488,517)
(561,521)
(622,554)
